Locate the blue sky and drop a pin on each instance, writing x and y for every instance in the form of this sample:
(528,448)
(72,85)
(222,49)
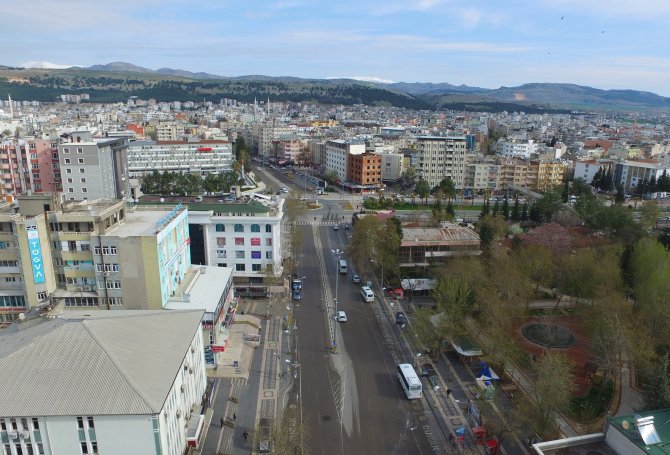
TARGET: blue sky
(621,44)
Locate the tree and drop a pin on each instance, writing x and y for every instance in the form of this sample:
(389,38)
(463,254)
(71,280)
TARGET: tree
(544,209)
(287,434)
(649,214)
(423,190)
(524,212)
(551,392)
(656,390)
(596,181)
(373,239)
(496,208)
(485,209)
(490,228)
(448,188)
(516,210)
(505,209)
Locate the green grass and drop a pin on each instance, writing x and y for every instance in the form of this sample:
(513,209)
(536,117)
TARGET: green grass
(590,407)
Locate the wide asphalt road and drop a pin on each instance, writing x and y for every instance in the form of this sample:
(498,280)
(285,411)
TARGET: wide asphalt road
(352,402)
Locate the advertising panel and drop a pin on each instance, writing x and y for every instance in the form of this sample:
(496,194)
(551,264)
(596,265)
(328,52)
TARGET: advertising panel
(35,254)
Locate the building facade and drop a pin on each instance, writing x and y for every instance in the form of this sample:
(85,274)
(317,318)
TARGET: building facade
(337,156)
(202,158)
(365,169)
(441,157)
(143,395)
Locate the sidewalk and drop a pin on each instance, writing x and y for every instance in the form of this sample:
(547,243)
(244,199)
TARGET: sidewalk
(241,402)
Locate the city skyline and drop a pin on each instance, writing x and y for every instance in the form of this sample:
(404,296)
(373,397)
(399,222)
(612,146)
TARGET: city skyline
(562,41)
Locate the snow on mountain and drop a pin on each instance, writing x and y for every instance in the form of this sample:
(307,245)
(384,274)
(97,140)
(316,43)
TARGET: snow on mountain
(46,65)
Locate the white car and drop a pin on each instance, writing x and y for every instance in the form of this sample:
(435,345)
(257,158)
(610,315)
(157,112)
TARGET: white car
(341,316)
(336,227)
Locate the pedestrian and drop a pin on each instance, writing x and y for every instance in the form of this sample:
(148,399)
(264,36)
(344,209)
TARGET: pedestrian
(234,417)
(245,435)
(221,421)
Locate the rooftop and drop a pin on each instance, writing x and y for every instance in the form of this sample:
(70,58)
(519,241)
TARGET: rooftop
(93,362)
(208,204)
(203,290)
(138,224)
(450,234)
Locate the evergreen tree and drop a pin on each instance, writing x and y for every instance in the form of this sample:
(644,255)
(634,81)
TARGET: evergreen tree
(663,182)
(496,208)
(485,209)
(620,196)
(516,210)
(596,182)
(656,391)
(565,194)
(608,181)
(524,212)
(450,210)
(652,185)
(505,209)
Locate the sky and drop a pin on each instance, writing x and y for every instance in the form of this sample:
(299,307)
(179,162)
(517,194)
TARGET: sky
(613,44)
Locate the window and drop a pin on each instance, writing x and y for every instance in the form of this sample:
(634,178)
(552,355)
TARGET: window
(82,170)
(255,255)
(239,228)
(84,190)
(66,150)
(240,267)
(239,254)
(80,150)
(66,160)
(255,267)
(255,228)
(84,447)
(268,242)
(70,190)
(69,180)
(239,240)
(220,241)
(90,422)
(36,423)
(81,160)
(220,228)
(268,228)
(109,250)
(68,171)
(255,241)
(83,180)
(80,422)
(96,250)
(268,255)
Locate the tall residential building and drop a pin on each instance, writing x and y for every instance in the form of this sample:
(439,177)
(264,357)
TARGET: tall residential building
(93,168)
(440,157)
(202,158)
(365,170)
(516,149)
(28,165)
(170,131)
(337,156)
(103,382)
(392,166)
(93,254)
(482,175)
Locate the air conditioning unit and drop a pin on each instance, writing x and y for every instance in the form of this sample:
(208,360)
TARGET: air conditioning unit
(178,414)
(106,274)
(88,288)
(190,370)
(80,288)
(12,434)
(183,389)
(24,435)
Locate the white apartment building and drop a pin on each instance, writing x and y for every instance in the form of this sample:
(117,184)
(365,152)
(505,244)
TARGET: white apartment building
(440,157)
(117,382)
(517,149)
(392,166)
(203,157)
(337,155)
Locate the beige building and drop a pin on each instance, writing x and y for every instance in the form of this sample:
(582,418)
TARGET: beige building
(440,157)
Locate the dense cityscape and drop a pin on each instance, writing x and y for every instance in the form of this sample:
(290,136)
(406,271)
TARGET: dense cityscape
(292,277)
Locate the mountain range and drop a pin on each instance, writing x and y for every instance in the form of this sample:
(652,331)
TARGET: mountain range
(126,79)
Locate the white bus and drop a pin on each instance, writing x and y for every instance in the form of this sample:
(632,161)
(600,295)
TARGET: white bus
(409,381)
(343,266)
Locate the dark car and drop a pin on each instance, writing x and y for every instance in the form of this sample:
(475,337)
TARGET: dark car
(400,318)
(297,295)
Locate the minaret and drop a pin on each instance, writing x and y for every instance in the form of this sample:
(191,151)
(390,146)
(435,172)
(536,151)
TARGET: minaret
(11,105)
(268,106)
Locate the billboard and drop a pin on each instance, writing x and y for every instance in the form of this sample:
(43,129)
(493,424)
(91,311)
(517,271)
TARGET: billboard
(35,254)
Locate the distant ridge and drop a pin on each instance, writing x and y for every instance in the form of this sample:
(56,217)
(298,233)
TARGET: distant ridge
(175,84)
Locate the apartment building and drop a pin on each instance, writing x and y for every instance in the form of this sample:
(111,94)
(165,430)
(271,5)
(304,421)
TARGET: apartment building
(244,235)
(365,169)
(92,254)
(28,165)
(440,157)
(549,174)
(392,166)
(262,137)
(93,168)
(170,132)
(289,150)
(202,158)
(125,382)
(482,175)
(627,174)
(516,149)
(337,156)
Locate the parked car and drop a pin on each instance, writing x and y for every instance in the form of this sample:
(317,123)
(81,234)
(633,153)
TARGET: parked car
(400,318)
(297,295)
(427,370)
(341,316)
(355,279)
(336,227)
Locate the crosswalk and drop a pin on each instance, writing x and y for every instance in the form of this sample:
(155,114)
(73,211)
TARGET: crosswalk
(317,223)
